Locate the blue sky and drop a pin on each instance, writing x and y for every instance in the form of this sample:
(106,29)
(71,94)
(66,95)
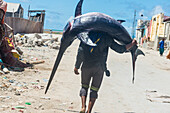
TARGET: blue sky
(59,11)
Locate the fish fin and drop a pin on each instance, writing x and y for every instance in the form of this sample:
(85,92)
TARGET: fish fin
(133,65)
(83,36)
(78,8)
(134,57)
(139,52)
(121,21)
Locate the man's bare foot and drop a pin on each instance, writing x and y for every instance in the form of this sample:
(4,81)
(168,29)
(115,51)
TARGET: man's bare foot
(83,110)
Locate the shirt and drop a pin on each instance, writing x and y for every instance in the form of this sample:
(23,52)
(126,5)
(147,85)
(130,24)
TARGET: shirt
(161,44)
(97,55)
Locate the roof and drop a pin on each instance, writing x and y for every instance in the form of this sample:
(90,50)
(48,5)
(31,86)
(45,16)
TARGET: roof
(12,7)
(166,18)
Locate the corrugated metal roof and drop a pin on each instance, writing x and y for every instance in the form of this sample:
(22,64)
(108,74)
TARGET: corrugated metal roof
(12,7)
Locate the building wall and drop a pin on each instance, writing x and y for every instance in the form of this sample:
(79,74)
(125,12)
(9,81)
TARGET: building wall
(142,31)
(149,30)
(138,32)
(21,25)
(157,27)
(167,30)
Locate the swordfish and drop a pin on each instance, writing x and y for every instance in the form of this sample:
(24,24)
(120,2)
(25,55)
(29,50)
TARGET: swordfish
(82,24)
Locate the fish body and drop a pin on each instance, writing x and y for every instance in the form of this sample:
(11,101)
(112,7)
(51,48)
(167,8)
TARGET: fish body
(101,22)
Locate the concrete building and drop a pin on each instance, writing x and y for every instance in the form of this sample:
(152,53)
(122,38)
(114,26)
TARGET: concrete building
(142,31)
(157,29)
(167,27)
(167,31)
(14,10)
(151,32)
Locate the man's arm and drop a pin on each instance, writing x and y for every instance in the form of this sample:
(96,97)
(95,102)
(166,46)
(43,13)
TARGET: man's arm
(79,59)
(122,48)
(128,46)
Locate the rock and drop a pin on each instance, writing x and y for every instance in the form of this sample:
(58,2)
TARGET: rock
(39,42)
(5,70)
(37,36)
(32,40)
(17,93)
(55,46)
(47,43)
(1,72)
(19,50)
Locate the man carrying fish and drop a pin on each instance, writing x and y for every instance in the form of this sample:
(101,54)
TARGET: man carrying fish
(93,60)
(97,32)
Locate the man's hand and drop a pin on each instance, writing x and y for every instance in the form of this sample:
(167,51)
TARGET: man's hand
(76,71)
(128,46)
(134,42)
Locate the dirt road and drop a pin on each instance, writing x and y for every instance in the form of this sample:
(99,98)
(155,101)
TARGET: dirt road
(149,94)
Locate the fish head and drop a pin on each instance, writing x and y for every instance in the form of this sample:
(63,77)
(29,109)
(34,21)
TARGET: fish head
(66,41)
(68,36)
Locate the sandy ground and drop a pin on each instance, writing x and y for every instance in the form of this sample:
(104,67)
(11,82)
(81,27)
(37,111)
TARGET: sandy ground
(149,94)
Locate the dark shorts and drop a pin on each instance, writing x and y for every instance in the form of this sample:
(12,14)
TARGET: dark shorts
(95,74)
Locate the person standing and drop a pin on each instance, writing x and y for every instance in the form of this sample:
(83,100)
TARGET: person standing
(93,60)
(161,47)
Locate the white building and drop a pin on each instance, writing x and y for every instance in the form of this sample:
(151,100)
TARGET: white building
(14,10)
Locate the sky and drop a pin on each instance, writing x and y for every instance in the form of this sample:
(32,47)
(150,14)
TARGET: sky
(58,12)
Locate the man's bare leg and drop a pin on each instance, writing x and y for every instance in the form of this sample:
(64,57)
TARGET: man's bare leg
(91,103)
(83,100)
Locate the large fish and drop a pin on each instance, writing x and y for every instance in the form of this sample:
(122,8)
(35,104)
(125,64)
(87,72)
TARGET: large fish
(82,24)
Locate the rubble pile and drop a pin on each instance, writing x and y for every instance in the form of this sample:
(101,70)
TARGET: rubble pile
(32,40)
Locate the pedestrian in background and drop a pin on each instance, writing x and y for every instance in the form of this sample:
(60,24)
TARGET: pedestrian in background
(161,47)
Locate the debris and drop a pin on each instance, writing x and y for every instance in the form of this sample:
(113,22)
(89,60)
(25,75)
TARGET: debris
(12,108)
(154,96)
(28,103)
(46,98)
(1,72)
(19,69)
(19,50)
(15,53)
(4,77)
(20,107)
(34,83)
(5,97)
(32,40)
(37,62)
(45,80)
(5,70)
(11,81)
(17,93)
(2,66)
(21,111)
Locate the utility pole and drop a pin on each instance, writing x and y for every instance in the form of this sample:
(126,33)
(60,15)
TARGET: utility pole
(28,11)
(133,26)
